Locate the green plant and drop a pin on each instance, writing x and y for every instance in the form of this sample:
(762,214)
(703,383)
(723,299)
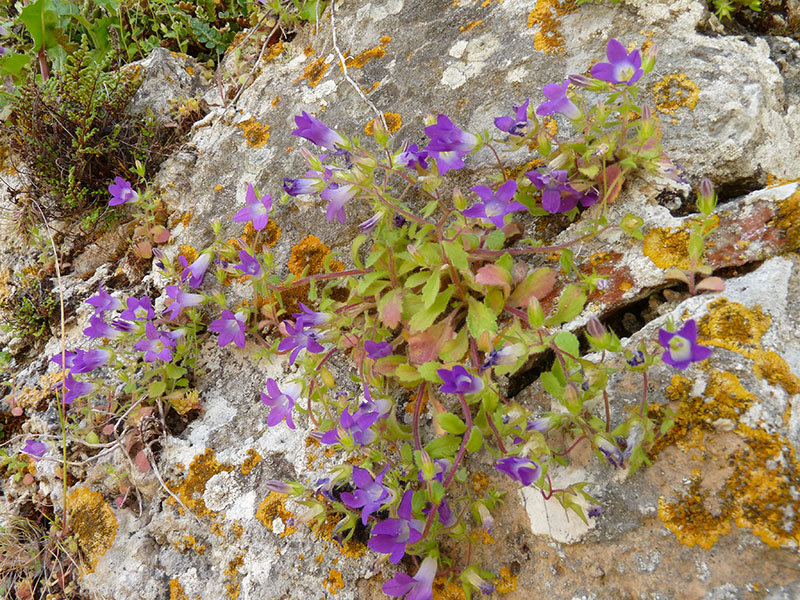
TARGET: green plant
(28,308)
(725,8)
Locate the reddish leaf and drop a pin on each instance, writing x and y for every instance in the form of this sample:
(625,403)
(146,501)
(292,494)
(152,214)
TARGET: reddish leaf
(536,285)
(425,346)
(141,462)
(390,308)
(715,284)
(17,411)
(613,179)
(160,234)
(492,274)
(143,250)
(108,429)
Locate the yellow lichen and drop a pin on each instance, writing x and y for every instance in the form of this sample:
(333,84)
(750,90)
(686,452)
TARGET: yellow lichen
(691,521)
(480,482)
(447,589)
(36,397)
(393,123)
(675,91)
(231,572)
(275,100)
(334,581)
(471,25)
(93,524)
(314,72)
(549,39)
(189,543)
(190,491)
(275,51)
(176,590)
(733,326)
(505,582)
(356,62)
(187,252)
(254,132)
(788,219)
(774,369)
(309,252)
(253,458)
(271,508)
(237,529)
(667,248)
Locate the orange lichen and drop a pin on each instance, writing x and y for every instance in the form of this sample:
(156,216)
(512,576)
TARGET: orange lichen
(275,51)
(190,491)
(37,396)
(667,248)
(254,132)
(351,548)
(549,39)
(176,590)
(275,100)
(393,123)
(334,581)
(675,91)
(505,582)
(187,252)
(310,252)
(237,529)
(447,589)
(271,508)
(471,25)
(253,458)
(356,62)
(788,219)
(231,572)
(733,326)
(480,482)
(314,72)
(189,543)
(93,524)
(308,51)
(691,521)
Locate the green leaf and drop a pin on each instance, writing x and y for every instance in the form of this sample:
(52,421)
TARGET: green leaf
(456,255)
(475,440)
(431,290)
(14,63)
(568,342)
(425,318)
(480,318)
(40,20)
(156,389)
(451,423)
(428,371)
(407,374)
(417,279)
(357,243)
(551,385)
(538,284)
(175,372)
(443,447)
(454,350)
(496,240)
(570,305)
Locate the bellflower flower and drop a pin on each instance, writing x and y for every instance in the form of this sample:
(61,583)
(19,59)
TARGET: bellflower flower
(459,381)
(495,205)
(358,424)
(138,310)
(98,328)
(376,350)
(122,325)
(557,195)
(411,157)
(681,347)
(392,535)
(180,300)
(249,265)
(472,577)
(369,224)
(316,132)
(75,389)
(504,356)
(609,450)
(69,357)
(35,449)
(256,209)
(282,402)
(337,196)
(104,301)
(196,271)
(558,101)
(419,587)
(621,66)
(302,185)
(299,339)
(121,192)
(85,361)
(230,328)
(514,125)
(520,469)
(449,144)
(156,345)
(440,467)
(311,318)
(370,494)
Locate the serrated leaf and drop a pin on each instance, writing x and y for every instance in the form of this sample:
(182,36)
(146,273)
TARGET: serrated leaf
(480,318)
(14,63)
(475,440)
(390,308)
(494,274)
(428,371)
(496,239)
(426,345)
(417,279)
(536,285)
(551,385)
(570,305)
(425,318)
(174,371)
(568,342)
(456,255)
(156,389)
(443,447)
(407,374)
(40,21)
(454,350)
(431,289)
(451,423)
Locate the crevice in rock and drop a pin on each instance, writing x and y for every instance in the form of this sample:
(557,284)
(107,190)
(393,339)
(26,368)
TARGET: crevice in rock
(522,379)
(728,191)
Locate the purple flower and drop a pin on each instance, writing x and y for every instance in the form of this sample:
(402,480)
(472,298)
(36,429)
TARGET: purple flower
(316,131)
(35,449)
(446,516)
(495,205)
(230,328)
(310,318)
(196,271)
(98,328)
(282,402)
(69,356)
(449,144)
(558,101)
(156,345)
(681,347)
(637,359)
(249,265)
(376,350)
(543,424)
(75,389)
(298,339)
(459,381)
(419,587)
(369,224)
(504,356)
(411,156)
(295,187)
(104,301)
(440,467)
(337,196)
(357,425)
(256,210)
(85,361)
(609,450)
(138,310)
(621,66)
(472,577)
(180,300)
(557,194)
(514,125)
(520,469)
(123,326)
(392,535)
(370,494)
(121,192)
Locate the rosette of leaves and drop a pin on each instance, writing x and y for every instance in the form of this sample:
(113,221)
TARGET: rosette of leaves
(28,309)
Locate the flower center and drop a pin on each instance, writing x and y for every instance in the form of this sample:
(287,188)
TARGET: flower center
(680,349)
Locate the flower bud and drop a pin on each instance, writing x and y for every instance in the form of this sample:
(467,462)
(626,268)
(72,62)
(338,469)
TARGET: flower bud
(581,81)
(535,313)
(707,200)
(379,132)
(483,516)
(284,487)
(649,57)
(595,328)
(572,399)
